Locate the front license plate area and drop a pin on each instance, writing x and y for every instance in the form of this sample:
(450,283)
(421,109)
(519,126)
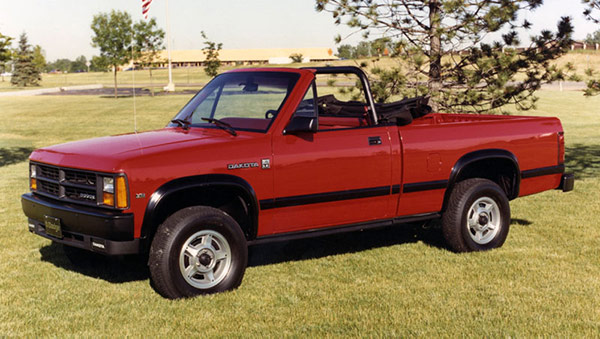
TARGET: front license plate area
(53,227)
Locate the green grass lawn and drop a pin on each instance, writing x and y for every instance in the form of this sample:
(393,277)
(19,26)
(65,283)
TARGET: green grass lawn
(545,281)
(184,77)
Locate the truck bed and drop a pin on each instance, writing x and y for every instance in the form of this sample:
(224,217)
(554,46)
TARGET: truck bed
(432,145)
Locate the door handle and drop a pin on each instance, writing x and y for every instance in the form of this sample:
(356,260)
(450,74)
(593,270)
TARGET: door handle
(374,141)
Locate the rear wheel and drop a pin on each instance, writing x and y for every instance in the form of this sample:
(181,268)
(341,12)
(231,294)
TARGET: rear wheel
(477,217)
(197,250)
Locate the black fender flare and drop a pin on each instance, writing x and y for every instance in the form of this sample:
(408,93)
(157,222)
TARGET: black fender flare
(485,154)
(202,181)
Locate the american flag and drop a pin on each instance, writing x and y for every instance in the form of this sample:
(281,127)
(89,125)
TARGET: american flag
(146,7)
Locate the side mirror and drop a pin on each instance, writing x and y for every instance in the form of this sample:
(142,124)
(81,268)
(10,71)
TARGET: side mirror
(300,124)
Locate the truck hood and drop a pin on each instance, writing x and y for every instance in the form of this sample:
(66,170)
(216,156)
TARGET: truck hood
(110,153)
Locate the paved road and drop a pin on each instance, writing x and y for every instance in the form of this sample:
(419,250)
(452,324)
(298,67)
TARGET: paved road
(39,91)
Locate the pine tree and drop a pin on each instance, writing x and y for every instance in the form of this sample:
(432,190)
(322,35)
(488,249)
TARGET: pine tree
(443,52)
(25,72)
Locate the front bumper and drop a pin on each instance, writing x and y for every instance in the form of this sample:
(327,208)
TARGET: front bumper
(102,231)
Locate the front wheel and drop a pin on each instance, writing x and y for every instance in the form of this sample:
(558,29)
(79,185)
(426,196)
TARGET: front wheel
(477,217)
(197,250)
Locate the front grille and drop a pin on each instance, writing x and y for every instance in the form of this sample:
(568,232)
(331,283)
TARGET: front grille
(68,184)
(49,172)
(80,178)
(80,194)
(49,187)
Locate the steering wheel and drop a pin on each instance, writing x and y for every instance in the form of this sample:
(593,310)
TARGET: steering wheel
(270,114)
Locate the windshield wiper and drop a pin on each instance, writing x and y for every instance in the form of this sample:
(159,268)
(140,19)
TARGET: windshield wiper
(221,124)
(182,123)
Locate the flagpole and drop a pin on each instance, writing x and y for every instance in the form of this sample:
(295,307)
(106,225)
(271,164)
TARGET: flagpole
(171,86)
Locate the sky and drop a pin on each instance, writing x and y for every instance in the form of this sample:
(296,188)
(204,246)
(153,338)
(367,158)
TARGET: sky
(62,27)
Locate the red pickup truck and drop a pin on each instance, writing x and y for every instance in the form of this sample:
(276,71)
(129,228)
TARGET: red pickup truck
(271,154)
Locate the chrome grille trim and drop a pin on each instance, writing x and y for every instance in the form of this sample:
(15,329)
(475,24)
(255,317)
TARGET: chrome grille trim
(69,184)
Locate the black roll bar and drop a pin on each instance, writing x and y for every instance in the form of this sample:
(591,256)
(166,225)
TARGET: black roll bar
(361,75)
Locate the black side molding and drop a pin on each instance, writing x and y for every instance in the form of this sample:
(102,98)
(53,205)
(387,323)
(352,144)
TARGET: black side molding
(538,172)
(425,186)
(325,197)
(320,232)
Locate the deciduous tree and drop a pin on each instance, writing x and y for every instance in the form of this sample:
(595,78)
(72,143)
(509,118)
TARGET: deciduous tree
(345,51)
(592,13)
(99,64)
(445,54)
(148,43)
(113,36)
(25,72)
(39,59)
(5,54)
(297,57)
(79,65)
(212,61)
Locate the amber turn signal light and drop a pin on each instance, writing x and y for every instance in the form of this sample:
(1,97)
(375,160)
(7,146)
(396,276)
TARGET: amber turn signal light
(108,199)
(33,184)
(121,193)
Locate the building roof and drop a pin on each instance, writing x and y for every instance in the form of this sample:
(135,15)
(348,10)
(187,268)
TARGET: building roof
(257,54)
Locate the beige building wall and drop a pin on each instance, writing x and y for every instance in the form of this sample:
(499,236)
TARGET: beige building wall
(196,58)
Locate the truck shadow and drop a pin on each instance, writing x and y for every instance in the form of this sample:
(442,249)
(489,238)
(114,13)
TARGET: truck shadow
(583,160)
(353,242)
(133,268)
(112,269)
(13,155)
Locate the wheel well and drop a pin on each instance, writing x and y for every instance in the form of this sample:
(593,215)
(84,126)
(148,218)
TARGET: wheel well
(501,170)
(229,199)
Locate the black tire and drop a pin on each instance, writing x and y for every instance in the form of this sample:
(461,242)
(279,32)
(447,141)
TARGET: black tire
(207,232)
(477,217)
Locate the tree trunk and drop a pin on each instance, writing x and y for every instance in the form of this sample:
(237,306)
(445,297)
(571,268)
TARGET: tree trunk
(151,82)
(115,73)
(435,56)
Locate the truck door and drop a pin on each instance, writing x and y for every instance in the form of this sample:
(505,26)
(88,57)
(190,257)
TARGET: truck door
(341,174)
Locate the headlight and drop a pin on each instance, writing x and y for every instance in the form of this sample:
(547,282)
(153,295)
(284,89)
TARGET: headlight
(32,177)
(115,195)
(108,185)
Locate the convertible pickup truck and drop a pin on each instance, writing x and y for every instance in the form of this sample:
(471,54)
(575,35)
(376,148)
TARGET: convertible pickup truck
(268,154)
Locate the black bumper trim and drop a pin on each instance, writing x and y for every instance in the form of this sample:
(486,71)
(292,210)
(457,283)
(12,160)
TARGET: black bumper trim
(76,219)
(86,242)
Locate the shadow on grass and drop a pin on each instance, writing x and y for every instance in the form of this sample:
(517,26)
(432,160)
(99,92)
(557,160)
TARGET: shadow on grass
(583,161)
(133,268)
(13,155)
(314,248)
(112,269)
(520,222)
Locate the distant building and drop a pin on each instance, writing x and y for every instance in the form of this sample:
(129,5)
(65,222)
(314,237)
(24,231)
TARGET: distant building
(243,57)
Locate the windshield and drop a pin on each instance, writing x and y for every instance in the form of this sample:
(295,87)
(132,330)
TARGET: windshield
(244,100)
